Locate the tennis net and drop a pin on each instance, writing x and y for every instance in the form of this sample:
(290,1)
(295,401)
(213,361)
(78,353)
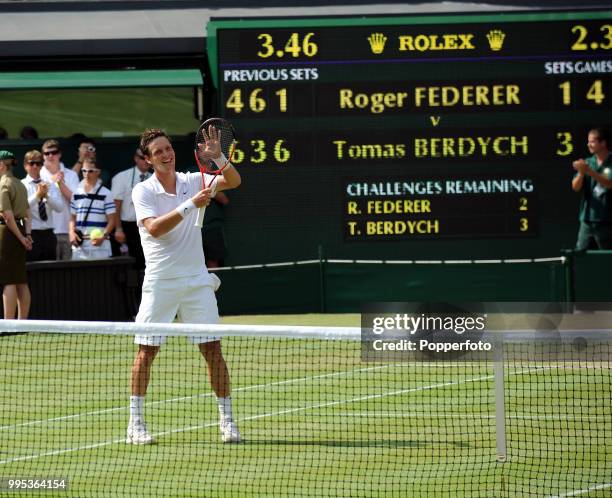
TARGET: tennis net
(315,419)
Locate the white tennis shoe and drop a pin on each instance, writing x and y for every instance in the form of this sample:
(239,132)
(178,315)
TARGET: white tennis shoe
(138,434)
(229,432)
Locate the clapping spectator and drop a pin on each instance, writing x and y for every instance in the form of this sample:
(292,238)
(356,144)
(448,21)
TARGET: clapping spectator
(43,198)
(67,181)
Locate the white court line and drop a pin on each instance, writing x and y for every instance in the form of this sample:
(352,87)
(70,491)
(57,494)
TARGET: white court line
(204,395)
(595,487)
(252,417)
(238,389)
(186,398)
(433,414)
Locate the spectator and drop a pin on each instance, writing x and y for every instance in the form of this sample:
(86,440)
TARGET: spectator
(87,150)
(593,179)
(15,240)
(67,181)
(3,133)
(43,199)
(92,208)
(28,133)
(126,231)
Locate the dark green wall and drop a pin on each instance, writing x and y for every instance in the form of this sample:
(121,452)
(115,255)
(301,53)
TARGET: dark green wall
(344,287)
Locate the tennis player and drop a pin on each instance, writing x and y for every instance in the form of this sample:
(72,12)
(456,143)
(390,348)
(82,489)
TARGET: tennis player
(176,281)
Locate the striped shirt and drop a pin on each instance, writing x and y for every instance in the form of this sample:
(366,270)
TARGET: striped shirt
(102,206)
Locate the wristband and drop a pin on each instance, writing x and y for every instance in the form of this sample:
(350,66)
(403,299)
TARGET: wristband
(186,207)
(222,161)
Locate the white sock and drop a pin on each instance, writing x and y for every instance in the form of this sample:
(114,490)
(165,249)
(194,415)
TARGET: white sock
(225,409)
(136,409)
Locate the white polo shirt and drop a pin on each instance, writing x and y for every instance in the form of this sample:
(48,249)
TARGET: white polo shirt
(179,252)
(61,220)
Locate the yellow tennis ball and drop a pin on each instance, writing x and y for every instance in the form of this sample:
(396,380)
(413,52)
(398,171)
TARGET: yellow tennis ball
(96,233)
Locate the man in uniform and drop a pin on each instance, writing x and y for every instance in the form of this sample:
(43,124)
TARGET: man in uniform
(15,240)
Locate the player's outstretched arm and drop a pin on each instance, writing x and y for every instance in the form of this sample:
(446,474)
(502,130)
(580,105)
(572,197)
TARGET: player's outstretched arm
(229,178)
(161,225)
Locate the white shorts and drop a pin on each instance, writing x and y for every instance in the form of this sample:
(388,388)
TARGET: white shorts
(191,299)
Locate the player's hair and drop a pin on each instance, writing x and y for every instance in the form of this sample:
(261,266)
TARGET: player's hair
(33,155)
(51,143)
(603,134)
(148,136)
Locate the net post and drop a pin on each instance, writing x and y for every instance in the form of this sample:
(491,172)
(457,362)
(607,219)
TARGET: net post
(322,297)
(500,401)
(568,265)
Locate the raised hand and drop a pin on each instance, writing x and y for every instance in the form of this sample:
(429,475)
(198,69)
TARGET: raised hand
(42,190)
(58,177)
(580,166)
(211,148)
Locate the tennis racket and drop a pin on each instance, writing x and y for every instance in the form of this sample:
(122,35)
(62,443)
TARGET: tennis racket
(211,130)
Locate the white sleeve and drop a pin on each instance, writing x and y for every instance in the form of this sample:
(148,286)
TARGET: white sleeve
(144,203)
(71,179)
(54,198)
(32,199)
(109,202)
(118,189)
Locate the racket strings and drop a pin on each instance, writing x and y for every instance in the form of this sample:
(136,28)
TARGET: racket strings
(226,140)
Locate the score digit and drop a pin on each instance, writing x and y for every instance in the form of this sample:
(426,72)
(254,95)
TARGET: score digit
(281,153)
(234,101)
(595,93)
(266,44)
(582,34)
(256,103)
(565,139)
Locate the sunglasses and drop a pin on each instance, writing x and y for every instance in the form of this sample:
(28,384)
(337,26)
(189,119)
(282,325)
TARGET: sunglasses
(35,163)
(90,148)
(83,170)
(51,152)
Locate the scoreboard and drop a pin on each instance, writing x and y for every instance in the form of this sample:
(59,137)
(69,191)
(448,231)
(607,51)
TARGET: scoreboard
(413,137)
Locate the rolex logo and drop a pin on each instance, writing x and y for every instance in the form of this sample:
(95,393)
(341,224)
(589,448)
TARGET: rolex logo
(496,39)
(377,42)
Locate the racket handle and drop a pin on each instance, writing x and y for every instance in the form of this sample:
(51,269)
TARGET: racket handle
(200,220)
